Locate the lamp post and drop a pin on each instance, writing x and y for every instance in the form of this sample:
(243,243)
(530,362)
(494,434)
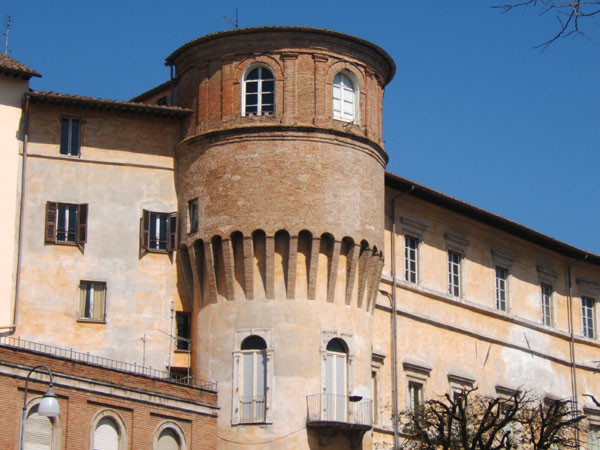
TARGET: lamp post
(48,406)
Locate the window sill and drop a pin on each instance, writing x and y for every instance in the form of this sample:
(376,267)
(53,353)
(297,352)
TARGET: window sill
(160,252)
(96,321)
(70,156)
(68,244)
(178,350)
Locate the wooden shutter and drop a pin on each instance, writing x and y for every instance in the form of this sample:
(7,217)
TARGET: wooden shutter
(82,213)
(172,232)
(106,436)
(145,230)
(38,432)
(51,208)
(168,441)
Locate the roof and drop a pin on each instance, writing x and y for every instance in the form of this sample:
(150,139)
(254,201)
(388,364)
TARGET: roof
(149,93)
(488,218)
(12,67)
(271,28)
(105,104)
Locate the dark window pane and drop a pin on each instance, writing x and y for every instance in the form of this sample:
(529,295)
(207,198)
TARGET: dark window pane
(251,87)
(266,74)
(64,137)
(251,109)
(267,108)
(74,137)
(251,99)
(268,86)
(267,99)
(253,75)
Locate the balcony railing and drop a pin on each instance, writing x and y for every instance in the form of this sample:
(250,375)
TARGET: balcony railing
(323,409)
(252,409)
(69,353)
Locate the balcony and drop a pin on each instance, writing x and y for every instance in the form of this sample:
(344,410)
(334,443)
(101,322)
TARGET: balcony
(340,412)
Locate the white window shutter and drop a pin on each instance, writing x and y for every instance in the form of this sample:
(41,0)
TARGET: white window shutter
(38,432)
(106,436)
(168,440)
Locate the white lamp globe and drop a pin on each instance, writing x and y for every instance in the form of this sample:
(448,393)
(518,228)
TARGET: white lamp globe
(49,405)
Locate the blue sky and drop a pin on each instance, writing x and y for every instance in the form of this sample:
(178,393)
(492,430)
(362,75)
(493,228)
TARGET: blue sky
(474,111)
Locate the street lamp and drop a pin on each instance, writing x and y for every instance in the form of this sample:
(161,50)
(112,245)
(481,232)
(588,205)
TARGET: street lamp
(48,406)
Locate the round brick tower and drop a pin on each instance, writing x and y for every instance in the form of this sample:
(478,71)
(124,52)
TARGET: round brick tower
(283,164)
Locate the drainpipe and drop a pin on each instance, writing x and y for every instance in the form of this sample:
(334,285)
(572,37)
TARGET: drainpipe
(172,93)
(394,326)
(572,340)
(11,328)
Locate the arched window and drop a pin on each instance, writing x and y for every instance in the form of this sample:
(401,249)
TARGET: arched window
(168,440)
(345,97)
(336,380)
(254,375)
(106,435)
(258,92)
(38,431)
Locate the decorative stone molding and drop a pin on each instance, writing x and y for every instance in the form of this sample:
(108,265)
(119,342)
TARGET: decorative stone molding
(588,288)
(413,227)
(502,258)
(456,242)
(546,274)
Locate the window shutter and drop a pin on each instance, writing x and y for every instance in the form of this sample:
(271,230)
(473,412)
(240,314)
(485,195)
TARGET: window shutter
(38,432)
(106,436)
(145,231)
(168,441)
(51,208)
(82,213)
(172,231)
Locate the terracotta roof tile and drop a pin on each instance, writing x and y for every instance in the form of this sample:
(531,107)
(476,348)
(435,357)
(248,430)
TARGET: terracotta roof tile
(13,67)
(101,103)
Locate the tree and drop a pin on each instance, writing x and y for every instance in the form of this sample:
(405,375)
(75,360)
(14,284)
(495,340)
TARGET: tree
(469,421)
(572,15)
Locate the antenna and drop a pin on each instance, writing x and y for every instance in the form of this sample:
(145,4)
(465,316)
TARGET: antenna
(6,33)
(236,23)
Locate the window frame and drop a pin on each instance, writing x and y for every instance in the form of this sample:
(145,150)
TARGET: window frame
(170,232)
(501,300)
(193,221)
(179,339)
(546,304)
(265,334)
(176,428)
(52,217)
(259,92)
(67,122)
(55,423)
(117,419)
(81,317)
(454,273)
(340,115)
(586,330)
(411,276)
(416,373)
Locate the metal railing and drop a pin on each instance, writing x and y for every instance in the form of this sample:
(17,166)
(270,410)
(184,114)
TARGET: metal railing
(134,368)
(339,408)
(252,409)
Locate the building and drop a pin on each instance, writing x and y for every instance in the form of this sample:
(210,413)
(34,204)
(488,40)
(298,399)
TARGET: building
(236,223)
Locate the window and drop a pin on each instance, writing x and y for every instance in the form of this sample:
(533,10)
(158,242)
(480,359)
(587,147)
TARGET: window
(69,136)
(411,245)
(168,440)
(159,232)
(259,92)
(66,223)
(39,431)
(594,437)
(183,331)
(345,98)
(587,316)
(252,398)
(454,260)
(501,284)
(106,435)
(193,215)
(92,300)
(415,395)
(335,382)
(547,313)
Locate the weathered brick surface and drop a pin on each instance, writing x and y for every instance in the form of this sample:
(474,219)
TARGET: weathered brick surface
(79,405)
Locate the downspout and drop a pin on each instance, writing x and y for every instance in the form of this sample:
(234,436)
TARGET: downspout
(394,325)
(172,93)
(11,328)
(572,341)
